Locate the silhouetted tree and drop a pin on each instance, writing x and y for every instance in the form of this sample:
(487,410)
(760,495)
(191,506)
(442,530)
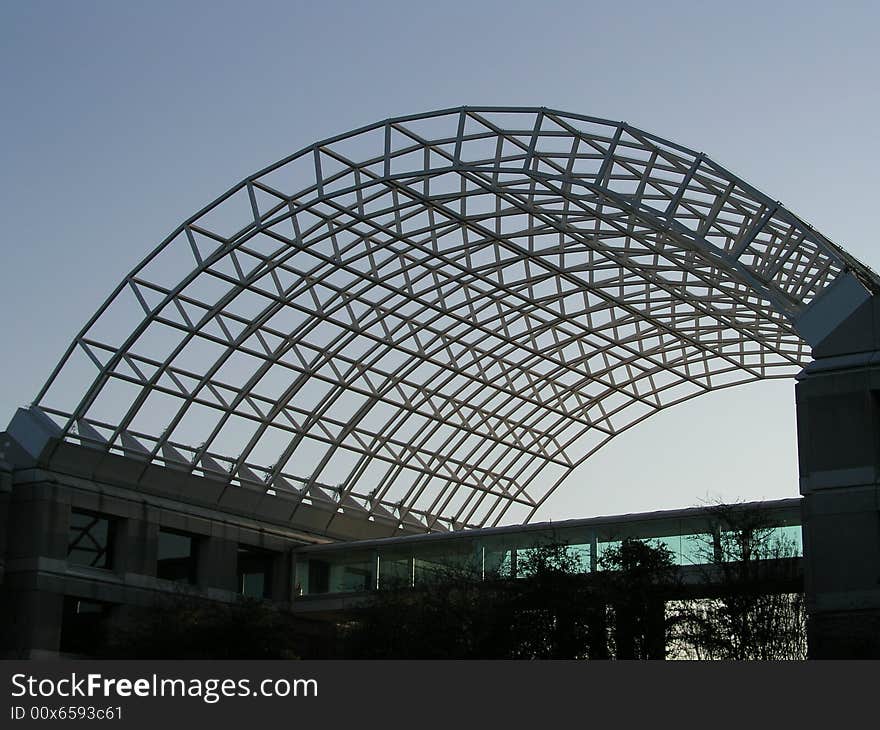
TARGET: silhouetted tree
(554,609)
(545,613)
(188,628)
(637,579)
(757,608)
(444,619)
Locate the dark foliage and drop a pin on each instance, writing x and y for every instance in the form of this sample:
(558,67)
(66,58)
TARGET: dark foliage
(637,579)
(757,610)
(556,610)
(185,628)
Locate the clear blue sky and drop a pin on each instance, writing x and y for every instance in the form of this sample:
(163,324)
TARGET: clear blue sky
(120,119)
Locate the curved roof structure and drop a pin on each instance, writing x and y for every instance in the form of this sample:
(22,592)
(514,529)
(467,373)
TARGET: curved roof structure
(433,319)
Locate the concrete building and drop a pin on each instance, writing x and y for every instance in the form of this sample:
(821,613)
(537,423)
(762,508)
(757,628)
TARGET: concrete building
(88,536)
(425,326)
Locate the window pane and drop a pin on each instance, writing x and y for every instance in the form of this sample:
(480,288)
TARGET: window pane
(395,570)
(89,540)
(603,547)
(255,572)
(177,557)
(253,585)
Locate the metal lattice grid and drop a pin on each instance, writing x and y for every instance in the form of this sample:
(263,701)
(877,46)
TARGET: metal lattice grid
(432,320)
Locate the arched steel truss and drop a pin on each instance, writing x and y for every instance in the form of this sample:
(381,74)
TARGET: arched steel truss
(434,319)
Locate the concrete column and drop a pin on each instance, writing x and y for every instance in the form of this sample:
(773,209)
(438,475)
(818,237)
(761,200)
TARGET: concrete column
(38,524)
(838,412)
(218,559)
(136,542)
(34,623)
(5,499)
(39,521)
(280,583)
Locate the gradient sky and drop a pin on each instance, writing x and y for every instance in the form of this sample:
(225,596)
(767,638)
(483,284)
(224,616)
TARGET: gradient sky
(121,119)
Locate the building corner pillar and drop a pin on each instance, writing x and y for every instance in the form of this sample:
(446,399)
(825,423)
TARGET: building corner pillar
(838,418)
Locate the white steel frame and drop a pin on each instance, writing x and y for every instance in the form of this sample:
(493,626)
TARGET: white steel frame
(455,309)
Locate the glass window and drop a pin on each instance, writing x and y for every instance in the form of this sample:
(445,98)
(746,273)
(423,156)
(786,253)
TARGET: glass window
(355,577)
(698,548)
(580,554)
(177,556)
(497,560)
(451,561)
(343,572)
(395,570)
(788,542)
(319,576)
(90,540)
(603,547)
(553,556)
(255,572)
(672,543)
